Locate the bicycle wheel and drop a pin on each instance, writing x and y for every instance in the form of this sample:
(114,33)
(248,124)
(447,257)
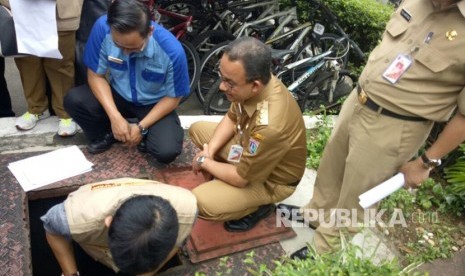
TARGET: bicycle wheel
(315,47)
(193,63)
(317,92)
(216,102)
(209,71)
(209,39)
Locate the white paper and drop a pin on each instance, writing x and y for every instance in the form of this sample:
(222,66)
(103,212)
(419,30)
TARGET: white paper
(381,191)
(47,168)
(36,27)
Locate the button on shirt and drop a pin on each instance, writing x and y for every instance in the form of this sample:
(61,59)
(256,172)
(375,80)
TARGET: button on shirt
(435,82)
(141,77)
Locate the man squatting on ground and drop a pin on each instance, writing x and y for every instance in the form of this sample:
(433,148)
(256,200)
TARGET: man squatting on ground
(130,225)
(388,117)
(257,153)
(148,76)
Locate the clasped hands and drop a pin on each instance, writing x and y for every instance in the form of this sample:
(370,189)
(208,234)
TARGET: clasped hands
(127,133)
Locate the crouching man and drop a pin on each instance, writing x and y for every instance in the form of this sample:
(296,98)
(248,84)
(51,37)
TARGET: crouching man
(130,225)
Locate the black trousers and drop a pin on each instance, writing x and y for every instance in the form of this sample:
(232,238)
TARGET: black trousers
(164,139)
(5,100)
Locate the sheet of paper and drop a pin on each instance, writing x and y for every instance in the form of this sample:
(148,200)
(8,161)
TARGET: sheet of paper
(38,171)
(381,191)
(36,27)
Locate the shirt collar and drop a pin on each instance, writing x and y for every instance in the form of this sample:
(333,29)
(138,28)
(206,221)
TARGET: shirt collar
(250,105)
(461,6)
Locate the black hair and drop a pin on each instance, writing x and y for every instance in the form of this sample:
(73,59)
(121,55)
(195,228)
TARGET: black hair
(142,233)
(125,16)
(254,55)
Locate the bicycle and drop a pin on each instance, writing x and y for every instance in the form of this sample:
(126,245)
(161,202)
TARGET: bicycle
(180,31)
(320,80)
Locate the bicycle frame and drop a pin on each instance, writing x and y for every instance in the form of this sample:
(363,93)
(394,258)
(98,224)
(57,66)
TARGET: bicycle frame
(182,28)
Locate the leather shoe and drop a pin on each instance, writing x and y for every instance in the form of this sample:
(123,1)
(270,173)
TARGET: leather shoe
(288,210)
(101,145)
(248,222)
(301,254)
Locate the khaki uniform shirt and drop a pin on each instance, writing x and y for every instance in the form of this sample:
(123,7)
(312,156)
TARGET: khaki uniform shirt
(68,13)
(435,82)
(273,139)
(87,208)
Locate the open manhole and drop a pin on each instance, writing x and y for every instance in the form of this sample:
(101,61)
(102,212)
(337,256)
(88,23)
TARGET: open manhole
(43,260)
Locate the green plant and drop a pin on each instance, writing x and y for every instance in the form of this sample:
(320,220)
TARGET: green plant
(455,191)
(401,199)
(345,261)
(432,244)
(316,141)
(363,20)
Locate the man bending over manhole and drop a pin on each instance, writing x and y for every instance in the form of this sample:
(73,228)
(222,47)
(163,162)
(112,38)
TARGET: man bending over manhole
(130,225)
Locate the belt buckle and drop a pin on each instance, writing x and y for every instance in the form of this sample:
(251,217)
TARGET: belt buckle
(362,96)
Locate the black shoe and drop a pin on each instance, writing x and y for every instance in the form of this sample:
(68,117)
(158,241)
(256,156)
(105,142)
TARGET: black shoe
(98,146)
(248,222)
(301,254)
(287,211)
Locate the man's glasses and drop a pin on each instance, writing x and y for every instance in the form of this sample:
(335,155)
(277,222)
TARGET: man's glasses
(229,85)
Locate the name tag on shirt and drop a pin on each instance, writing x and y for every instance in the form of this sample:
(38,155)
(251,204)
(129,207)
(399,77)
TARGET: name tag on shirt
(117,60)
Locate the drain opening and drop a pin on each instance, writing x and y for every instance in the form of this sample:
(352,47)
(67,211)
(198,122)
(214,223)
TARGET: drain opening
(43,260)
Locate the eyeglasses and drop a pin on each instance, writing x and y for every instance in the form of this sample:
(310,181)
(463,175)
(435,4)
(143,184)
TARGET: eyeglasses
(135,49)
(228,83)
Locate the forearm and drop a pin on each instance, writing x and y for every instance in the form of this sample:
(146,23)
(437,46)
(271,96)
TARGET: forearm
(225,172)
(160,110)
(63,251)
(102,91)
(223,133)
(452,136)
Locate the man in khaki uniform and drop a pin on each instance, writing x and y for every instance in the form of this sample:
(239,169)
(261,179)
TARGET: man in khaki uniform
(414,77)
(35,71)
(257,152)
(127,224)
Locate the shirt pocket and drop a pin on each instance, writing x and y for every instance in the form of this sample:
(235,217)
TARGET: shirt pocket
(117,70)
(67,9)
(153,77)
(432,59)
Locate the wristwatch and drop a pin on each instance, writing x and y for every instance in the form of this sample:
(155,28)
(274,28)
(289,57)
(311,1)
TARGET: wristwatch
(143,130)
(430,163)
(200,160)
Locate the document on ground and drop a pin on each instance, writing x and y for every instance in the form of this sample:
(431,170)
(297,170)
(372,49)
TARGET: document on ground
(36,27)
(41,170)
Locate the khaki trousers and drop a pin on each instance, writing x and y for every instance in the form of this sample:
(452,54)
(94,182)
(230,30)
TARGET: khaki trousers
(217,200)
(60,73)
(364,149)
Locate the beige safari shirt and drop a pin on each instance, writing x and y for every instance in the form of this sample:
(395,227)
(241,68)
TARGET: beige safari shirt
(87,208)
(434,84)
(273,139)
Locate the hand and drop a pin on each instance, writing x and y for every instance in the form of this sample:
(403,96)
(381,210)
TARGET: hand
(415,173)
(195,166)
(135,136)
(121,129)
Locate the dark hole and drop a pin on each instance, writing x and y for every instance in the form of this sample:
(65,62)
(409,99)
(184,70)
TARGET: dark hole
(43,260)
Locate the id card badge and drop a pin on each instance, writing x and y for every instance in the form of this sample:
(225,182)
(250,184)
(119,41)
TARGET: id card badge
(235,153)
(397,68)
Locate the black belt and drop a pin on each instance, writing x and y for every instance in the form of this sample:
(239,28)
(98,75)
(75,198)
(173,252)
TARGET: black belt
(365,100)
